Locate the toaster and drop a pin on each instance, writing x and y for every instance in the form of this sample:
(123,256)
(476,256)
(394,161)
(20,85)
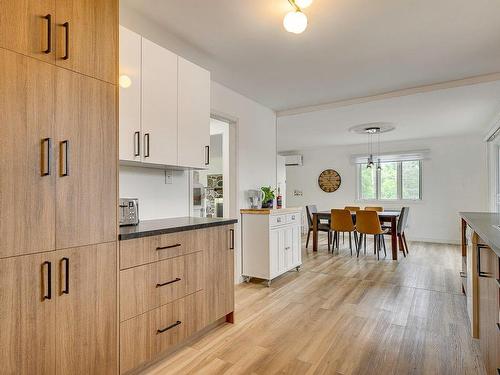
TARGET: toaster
(129,211)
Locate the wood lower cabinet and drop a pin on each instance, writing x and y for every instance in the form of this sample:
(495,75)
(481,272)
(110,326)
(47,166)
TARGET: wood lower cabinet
(86,321)
(27,315)
(219,283)
(27,175)
(58,312)
(87,37)
(26,26)
(86,153)
(488,304)
(171,287)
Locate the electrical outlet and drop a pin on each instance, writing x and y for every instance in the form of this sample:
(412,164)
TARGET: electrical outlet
(297,193)
(169,177)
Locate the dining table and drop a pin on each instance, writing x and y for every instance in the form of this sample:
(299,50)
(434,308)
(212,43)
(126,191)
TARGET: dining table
(390,217)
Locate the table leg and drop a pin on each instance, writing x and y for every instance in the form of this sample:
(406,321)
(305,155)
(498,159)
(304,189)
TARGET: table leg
(315,232)
(394,239)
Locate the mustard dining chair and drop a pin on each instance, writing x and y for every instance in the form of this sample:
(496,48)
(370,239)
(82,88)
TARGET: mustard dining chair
(368,223)
(376,209)
(352,208)
(341,222)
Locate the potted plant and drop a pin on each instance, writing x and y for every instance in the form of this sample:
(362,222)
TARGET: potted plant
(268,199)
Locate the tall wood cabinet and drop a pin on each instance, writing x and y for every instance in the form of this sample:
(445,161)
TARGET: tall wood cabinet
(58,188)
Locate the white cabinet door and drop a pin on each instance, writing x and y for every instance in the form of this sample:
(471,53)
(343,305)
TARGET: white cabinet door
(289,247)
(273,252)
(281,251)
(159,105)
(130,97)
(194,115)
(296,246)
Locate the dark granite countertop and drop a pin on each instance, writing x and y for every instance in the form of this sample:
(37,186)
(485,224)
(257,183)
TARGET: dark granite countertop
(485,225)
(163,226)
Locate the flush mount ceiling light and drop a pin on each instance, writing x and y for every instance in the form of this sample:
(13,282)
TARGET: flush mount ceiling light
(296,21)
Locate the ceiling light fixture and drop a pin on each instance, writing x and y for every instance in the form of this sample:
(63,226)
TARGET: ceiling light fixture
(296,21)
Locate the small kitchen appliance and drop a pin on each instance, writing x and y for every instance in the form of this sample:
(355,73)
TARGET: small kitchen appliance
(129,211)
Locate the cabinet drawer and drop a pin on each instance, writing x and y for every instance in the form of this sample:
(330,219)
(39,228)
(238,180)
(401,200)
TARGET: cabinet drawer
(293,218)
(145,250)
(144,337)
(147,287)
(275,220)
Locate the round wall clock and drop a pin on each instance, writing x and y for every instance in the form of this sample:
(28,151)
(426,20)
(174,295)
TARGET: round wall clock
(329,180)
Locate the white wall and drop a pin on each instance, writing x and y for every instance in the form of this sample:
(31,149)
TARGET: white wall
(454,179)
(157,199)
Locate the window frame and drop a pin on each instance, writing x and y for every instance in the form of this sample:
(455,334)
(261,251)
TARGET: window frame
(399,183)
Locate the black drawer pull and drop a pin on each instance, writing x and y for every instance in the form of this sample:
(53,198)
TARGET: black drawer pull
(48,295)
(207,155)
(146,145)
(66,275)
(64,158)
(46,156)
(168,247)
(48,17)
(137,144)
(168,282)
(169,327)
(231,234)
(66,36)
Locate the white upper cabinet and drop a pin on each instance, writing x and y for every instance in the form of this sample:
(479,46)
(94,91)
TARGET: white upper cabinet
(165,108)
(159,105)
(130,97)
(194,115)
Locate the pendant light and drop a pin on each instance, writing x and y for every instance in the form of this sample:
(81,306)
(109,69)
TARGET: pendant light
(370,132)
(296,21)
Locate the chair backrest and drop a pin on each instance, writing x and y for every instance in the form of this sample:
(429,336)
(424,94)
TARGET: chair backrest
(352,208)
(377,209)
(341,221)
(403,219)
(367,222)
(310,210)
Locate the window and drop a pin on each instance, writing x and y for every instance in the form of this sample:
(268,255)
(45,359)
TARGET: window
(399,180)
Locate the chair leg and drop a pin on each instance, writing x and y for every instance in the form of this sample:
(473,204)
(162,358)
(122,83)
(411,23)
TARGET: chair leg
(404,239)
(382,239)
(338,239)
(308,235)
(329,239)
(376,240)
(401,244)
(356,239)
(358,248)
(343,238)
(350,242)
(364,242)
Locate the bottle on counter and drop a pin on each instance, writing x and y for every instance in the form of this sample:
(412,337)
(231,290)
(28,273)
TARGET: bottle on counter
(279,199)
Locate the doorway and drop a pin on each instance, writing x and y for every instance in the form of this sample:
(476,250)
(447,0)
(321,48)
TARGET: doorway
(211,188)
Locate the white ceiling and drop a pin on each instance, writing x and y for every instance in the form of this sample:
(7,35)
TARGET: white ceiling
(352,48)
(448,112)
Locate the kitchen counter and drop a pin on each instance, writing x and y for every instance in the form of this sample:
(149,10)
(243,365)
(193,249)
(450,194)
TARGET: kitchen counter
(484,224)
(164,226)
(269,211)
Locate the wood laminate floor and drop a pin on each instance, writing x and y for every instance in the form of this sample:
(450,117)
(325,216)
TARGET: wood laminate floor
(342,315)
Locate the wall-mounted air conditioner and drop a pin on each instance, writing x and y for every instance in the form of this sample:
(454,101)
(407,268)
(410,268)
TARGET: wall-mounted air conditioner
(293,160)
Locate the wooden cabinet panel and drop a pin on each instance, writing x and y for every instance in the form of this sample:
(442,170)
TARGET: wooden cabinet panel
(194,115)
(146,336)
(86,184)
(27,319)
(159,104)
(145,250)
(147,287)
(86,322)
(219,271)
(27,197)
(87,37)
(24,27)
(130,97)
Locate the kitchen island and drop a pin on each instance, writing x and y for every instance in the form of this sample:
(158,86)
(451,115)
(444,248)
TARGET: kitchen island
(176,279)
(480,281)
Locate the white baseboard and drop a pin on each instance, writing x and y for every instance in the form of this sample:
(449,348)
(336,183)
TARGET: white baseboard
(434,240)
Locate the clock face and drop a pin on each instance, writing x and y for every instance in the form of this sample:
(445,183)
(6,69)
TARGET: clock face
(329,180)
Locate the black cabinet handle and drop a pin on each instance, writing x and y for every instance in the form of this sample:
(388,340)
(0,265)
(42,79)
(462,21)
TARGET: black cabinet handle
(146,145)
(48,17)
(137,144)
(48,295)
(479,272)
(66,275)
(46,156)
(231,239)
(66,42)
(207,155)
(168,247)
(64,161)
(168,282)
(169,327)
